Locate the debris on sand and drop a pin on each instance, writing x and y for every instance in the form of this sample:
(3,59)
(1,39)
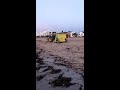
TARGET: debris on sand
(60,64)
(40,61)
(36,56)
(37,68)
(40,77)
(39,52)
(68,48)
(61,81)
(80,87)
(54,71)
(49,68)
(42,50)
(51,54)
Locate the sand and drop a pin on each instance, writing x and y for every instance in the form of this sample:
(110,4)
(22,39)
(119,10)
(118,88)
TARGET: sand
(71,53)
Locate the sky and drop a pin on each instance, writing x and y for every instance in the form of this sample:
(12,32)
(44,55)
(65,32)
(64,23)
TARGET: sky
(58,15)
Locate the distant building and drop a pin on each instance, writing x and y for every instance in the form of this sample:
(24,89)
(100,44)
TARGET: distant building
(81,34)
(70,34)
(42,34)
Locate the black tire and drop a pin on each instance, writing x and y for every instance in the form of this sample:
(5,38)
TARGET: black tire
(65,40)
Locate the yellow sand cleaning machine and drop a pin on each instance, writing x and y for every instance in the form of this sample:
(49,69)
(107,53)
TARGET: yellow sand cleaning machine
(58,37)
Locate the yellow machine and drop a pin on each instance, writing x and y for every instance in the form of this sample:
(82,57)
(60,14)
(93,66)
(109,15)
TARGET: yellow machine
(59,37)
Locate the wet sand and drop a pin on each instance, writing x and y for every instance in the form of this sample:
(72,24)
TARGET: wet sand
(60,66)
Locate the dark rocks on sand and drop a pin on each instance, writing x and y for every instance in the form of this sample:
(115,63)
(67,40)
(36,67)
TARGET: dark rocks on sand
(80,87)
(40,77)
(54,71)
(62,81)
(40,61)
(49,68)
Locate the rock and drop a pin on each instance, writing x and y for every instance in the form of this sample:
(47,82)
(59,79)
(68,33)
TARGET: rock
(54,71)
(40,77)
(62,81)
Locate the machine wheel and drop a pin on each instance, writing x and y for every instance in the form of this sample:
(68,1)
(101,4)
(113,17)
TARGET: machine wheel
(65,40)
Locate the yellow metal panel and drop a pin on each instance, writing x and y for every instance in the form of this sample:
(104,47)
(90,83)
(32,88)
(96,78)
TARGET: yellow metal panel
(61,37)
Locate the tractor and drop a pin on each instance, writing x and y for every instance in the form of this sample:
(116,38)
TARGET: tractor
(57,37)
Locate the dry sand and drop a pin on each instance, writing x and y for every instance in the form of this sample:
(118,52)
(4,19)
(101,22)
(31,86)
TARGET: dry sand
(71,53)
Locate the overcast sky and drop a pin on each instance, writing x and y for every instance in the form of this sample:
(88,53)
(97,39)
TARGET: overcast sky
(58,15)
